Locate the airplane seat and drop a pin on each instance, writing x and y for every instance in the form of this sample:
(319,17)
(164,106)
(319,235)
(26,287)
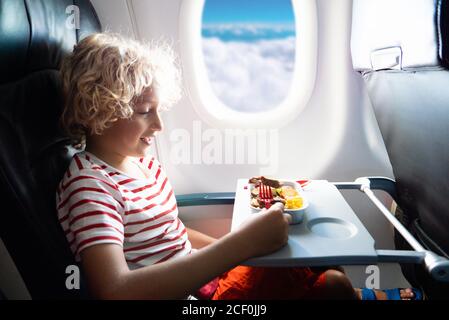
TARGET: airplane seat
(401,50)
(34,36)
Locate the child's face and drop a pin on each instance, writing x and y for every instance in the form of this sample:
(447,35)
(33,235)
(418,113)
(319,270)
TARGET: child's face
(133,137)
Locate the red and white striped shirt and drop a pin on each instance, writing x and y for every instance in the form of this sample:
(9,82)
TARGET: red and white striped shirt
(97,203)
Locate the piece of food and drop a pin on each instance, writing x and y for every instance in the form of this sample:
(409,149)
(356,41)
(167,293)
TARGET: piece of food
(266,181)
(288,191)
(286,194)
(270,182)
(254,180)
(255,192)
(255,203)
(294,203)
(278,199)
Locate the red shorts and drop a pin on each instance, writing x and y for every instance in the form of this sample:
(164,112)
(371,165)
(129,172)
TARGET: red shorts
(260,283)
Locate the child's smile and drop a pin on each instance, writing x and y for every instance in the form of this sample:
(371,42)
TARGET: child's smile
(146,140)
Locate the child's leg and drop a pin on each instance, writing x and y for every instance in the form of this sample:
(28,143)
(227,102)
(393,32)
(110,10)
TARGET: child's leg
(283,283)
(333,285)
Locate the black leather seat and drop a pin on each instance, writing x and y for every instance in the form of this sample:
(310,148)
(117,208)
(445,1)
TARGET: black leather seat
(401,49)
(34,154)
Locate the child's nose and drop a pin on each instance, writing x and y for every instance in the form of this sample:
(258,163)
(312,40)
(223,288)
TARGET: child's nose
(157,124)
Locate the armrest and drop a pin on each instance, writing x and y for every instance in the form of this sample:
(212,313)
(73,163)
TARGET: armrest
(205,199)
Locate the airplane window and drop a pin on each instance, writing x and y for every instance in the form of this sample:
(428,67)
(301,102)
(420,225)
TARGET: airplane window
(248,63)
(249,51)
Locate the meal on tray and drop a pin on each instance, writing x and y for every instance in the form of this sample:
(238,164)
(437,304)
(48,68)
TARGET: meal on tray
(265,192)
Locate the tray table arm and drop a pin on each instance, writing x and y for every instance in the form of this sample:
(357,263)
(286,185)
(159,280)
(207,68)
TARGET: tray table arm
(437,266)
(376,183)
(205,199)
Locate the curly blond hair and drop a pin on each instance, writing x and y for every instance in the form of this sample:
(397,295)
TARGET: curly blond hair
(103,76)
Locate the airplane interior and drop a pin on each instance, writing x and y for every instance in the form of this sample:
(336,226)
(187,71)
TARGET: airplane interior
(342,101)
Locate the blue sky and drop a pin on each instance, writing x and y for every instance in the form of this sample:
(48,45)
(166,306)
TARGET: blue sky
(253,11)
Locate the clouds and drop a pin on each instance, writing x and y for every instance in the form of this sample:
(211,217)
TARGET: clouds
(250,75)
(248,31)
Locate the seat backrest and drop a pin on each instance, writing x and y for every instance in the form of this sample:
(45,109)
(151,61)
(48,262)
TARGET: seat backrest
(34,153)
(401,49)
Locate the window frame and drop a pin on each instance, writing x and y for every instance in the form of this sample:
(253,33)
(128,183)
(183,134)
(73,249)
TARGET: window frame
(210,108)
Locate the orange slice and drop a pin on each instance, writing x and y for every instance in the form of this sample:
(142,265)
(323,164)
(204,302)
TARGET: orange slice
(288,192)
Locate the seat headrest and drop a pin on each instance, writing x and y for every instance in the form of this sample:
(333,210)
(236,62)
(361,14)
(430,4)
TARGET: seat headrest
(399,34)
(36,34)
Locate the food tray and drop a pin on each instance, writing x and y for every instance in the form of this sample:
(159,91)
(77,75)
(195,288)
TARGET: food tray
(296,214)
(329,234)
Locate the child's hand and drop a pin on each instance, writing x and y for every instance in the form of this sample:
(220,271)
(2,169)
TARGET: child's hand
(265,232)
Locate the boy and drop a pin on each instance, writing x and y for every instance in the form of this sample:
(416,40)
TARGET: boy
(118,209)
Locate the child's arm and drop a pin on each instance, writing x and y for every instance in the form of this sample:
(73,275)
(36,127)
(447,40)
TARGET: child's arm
(109,277)
(199,239)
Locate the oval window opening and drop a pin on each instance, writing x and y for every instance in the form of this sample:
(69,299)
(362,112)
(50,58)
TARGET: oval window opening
(249,51)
